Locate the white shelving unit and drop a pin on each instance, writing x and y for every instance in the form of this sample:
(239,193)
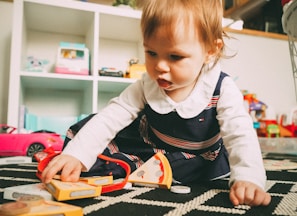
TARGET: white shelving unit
(111,34)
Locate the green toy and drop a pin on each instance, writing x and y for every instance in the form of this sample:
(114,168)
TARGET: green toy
(131,3)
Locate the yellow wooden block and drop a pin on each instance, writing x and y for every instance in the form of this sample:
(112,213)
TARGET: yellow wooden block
(97,180)
(33,205)
(72,190)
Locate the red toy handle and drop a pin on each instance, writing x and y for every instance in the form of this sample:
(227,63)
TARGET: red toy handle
(43,158)
(120,185)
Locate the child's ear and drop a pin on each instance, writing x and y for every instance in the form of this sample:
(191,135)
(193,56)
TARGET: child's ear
(213,52)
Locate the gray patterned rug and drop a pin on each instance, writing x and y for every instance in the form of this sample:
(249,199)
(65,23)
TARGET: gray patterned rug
(205,199)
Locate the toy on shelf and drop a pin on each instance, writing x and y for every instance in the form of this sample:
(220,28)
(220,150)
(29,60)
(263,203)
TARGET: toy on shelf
(256,108)
(273,129)
(130,3)
(289,122)
(135,70)
(255,105)
(36,65)
(112,72)
(72,58)
(266,125)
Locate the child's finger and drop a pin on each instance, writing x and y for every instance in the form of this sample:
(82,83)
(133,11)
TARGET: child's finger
(71,172)
(54,166)
(267,199)
(233,198)
(237,195)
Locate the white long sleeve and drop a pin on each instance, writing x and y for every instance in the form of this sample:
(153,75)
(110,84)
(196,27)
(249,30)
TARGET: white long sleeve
(93,138)
(239,136)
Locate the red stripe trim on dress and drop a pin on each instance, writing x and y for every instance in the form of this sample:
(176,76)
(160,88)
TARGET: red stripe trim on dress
(113,148)
(213,102)
(184,143)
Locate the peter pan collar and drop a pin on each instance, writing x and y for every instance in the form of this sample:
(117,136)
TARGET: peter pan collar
(194,104)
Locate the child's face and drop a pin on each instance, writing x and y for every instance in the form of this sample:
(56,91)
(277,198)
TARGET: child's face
(175,63)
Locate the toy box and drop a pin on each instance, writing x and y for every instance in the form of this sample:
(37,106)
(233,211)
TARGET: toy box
(72,58)
(33,205)
(15,192)
(72,190)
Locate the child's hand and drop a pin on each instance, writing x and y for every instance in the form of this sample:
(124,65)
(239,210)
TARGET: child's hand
(69,166)
(243,192)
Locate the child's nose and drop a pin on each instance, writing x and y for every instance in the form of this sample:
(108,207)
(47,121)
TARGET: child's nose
(162,66)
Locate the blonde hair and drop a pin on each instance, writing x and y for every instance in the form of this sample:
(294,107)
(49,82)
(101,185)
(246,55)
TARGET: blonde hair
(206,15)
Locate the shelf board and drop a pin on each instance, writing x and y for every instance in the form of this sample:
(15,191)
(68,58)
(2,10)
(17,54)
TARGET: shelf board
(116,79)
(55,81)
(113,84)
(55,75)
(42,80)
(48,18)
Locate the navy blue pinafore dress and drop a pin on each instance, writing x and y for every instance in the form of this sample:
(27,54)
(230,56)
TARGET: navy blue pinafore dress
(193,147)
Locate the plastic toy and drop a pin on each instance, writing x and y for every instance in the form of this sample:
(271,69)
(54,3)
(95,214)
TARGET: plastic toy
(107,71)
(273,129)
(266,126)
(135,70)
(36,65)
(289,122)
(257,107)
(22,144)
(131,3)
(43,158)
(72,58)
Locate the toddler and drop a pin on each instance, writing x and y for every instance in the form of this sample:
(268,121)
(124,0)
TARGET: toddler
(184,106)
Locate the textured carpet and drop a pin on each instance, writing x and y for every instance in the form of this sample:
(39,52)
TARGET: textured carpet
(205,199)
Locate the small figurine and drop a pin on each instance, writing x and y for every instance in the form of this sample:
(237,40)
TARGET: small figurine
(131,3)
(135,70)
(36,65)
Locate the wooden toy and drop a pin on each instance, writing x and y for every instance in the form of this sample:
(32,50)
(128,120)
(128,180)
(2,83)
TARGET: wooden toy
(156,172)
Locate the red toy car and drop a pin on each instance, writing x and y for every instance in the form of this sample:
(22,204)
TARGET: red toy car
(22,144)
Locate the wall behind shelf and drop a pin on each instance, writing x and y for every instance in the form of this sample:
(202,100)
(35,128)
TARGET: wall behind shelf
(262,66)
(6,9)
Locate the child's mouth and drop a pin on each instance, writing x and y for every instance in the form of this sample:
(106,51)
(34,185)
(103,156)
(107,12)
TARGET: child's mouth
(164,83)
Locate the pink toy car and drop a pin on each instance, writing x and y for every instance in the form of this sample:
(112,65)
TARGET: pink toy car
(22,144)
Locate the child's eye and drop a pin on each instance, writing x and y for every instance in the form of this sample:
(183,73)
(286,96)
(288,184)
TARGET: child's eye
(151,53)
(176,57)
